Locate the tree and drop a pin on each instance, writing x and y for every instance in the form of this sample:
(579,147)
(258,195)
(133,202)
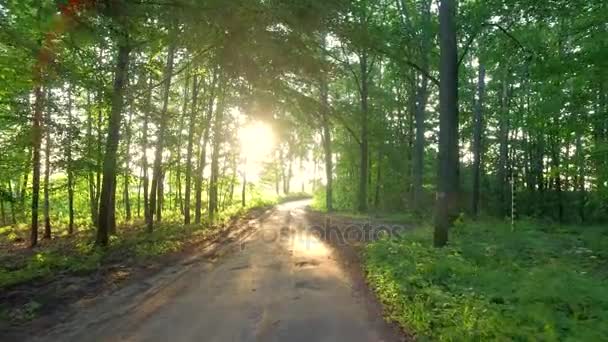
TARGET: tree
(106,201)
(447,184)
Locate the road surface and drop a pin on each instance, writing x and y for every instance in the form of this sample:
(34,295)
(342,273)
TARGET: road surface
(280,283)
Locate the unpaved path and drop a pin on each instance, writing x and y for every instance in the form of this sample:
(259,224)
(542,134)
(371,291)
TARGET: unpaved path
(278,283)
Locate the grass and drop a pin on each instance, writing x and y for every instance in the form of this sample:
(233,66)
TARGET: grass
(537,283)
(78,255)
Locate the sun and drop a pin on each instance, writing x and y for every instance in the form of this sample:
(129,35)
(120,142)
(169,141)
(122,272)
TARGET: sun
(257,144)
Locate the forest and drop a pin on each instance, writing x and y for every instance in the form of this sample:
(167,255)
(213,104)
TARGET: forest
(133,127)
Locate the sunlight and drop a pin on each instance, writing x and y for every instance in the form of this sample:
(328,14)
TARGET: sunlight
(257,143)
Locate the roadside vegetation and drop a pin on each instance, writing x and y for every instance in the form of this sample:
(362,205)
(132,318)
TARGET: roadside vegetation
(537,282)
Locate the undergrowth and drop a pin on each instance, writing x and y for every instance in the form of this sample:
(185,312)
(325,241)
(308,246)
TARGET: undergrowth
(536,283)
(78,255)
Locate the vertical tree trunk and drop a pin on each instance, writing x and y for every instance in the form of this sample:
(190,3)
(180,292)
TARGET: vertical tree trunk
(157,171)
(244,190)
(160,196)
(2,210)
(144,150)
(107,209)
(191,129)
(420,110)
(139,185)
(100,156)
(91,175)
(378,179)
(13,196)
(127,174)
(47,168)
(503,137)
(36,147)
(477,135)
(448,122)
(23,189)
(217,141)
(202,155)
(364,146)
(326,139)
(580,160)
(178,175)
(70,166)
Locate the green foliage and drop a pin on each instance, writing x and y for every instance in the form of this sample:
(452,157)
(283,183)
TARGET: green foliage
(535,283)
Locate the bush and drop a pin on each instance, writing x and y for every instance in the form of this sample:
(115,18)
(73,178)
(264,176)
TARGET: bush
(536,283)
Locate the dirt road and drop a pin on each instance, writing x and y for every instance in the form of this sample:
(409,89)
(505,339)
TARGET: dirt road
(279,283)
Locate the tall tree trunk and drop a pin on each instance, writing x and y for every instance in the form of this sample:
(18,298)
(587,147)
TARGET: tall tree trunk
(364,143)
(217,141)
(160,196)
(13,196)
(23,190)
(36,146)
(202,155)
(580,183)
(326,138)
(244,190)
(144,150)
(448,122)
(191,129)
(503,137)
(139,185)
(378,179)
(107,208)
(70,166)
(91,175)
(127,174)
(160,144)
(2,211)
(477,135)
(47,168)
(420,109)
(100,156)
(178,175)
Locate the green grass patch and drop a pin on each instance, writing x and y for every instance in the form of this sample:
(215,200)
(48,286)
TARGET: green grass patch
(537,283)
(78,255)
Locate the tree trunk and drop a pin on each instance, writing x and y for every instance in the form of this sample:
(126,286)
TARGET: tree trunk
(107,208)
(160,196)
(217,141)
(144,150)
(13,214)
(448,122)
(100,156)
(580,157)
(420,110)
(191,129)
(378,180)
(364,146)
(244,190)
(326,139)
(503,137)
(158,158)
(202,155)
(70,166)
(91,175)
(127,175)
(178,175)
(36,146)
(477,135)
(47,168)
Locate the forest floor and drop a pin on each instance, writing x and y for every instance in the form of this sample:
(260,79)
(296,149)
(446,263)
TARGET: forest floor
(277,274)
(537,281)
